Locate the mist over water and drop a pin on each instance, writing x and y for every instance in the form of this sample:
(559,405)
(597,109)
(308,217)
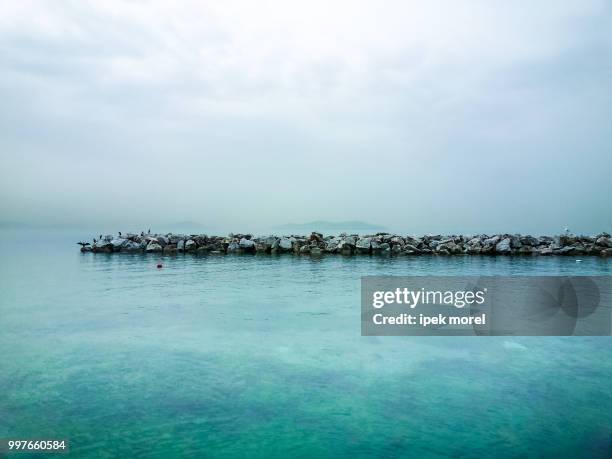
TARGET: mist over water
(435,117)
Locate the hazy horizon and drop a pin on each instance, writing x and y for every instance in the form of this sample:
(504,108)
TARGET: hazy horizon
(441,117)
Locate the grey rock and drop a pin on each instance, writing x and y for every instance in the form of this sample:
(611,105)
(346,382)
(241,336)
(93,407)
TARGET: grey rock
(503,246)
(333,244)
(492,240)
(233,247)
(515,242)
(285,244)
(102,246)
(131,246)
(247,244)
(153,247)
(119,243)
(364,244)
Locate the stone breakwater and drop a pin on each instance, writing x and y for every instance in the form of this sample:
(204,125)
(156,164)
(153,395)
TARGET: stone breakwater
(378,244)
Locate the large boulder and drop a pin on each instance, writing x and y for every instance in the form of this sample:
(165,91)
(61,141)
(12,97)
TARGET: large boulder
(529,240)
(132,246)
(233,247)
(190,245)
(380,247)
(503,246)
(604,241)
(102,246)
(333,244)
(515,242)
(448,246)
(492,240)
(175,238)
(119,243)
(264,244)
(410,249)
(285,244)
(363,245)
(153,247)
(350,241)
(247,245)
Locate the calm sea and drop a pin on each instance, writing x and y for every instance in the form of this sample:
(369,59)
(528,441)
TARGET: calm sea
(261,356)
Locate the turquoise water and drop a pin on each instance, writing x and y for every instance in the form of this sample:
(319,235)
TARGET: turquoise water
(252,356)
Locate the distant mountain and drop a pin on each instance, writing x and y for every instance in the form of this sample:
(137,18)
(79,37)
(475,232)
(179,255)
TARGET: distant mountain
(323,225)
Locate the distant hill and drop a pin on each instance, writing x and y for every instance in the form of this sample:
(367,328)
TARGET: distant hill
(323,225)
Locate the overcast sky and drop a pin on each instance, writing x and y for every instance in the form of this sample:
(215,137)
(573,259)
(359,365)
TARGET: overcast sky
(430,116)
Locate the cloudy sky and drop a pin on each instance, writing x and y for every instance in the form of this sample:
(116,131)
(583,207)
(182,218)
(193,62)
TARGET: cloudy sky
(421,116)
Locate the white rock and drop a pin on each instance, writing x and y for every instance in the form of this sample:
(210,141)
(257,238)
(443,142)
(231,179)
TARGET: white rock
(154,247)
(503,246)
(246,243)
(119,243)
(364,243)
(285,244)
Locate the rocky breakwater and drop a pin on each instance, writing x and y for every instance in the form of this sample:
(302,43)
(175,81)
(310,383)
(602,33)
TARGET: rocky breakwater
(378,244)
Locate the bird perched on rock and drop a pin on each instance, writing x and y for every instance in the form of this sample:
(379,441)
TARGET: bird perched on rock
(119,233)
(95,240)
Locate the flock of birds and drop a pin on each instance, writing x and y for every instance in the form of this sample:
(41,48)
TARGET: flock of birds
(85,244)
(142,233)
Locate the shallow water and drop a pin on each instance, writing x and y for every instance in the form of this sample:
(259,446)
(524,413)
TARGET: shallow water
(261,356)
